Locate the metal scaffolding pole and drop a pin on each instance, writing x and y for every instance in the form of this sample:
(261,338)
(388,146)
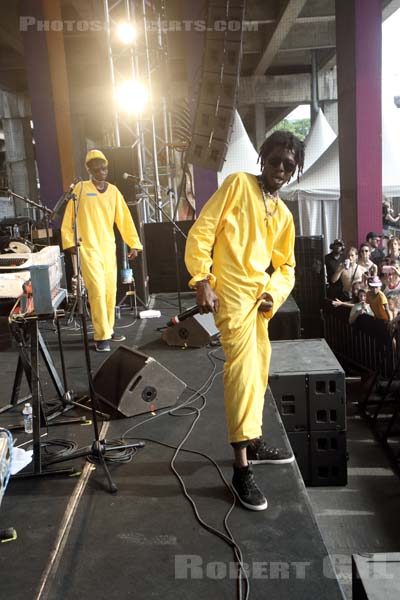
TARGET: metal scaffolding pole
(151,131)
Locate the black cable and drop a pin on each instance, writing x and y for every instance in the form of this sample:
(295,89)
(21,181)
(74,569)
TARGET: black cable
(243,579)
(67,447)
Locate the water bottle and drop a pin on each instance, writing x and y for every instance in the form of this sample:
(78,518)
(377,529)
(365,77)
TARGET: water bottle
(28,422)
(117,312)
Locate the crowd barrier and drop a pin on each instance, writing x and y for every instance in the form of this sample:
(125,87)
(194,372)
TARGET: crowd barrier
(369,344)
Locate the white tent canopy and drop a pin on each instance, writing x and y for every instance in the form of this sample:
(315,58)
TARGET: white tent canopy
(315,200)
(320,137)
(241,155)
(317,195)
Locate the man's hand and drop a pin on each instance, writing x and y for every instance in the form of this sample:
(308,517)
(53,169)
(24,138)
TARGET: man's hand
(267,302)
(206,299)
(72,250)
(132,253)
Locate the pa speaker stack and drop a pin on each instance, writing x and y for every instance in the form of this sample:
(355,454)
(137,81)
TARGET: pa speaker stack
(219,84)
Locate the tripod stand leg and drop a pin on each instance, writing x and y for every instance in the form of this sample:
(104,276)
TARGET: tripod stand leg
(111,485)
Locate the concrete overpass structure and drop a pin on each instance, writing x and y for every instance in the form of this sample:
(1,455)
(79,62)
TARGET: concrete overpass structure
(294,52)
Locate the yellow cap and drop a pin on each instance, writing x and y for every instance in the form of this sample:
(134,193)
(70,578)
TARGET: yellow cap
(92,154)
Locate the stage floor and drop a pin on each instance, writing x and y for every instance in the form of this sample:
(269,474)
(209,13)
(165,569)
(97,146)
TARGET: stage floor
(76,540)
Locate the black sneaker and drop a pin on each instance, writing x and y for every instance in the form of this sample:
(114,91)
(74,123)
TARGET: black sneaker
(246,489)
(102,346)
(259,453)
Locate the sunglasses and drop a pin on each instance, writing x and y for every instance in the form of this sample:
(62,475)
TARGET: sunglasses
(288,165)
(97,169)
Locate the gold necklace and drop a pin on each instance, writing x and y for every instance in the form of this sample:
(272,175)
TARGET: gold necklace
(266,194)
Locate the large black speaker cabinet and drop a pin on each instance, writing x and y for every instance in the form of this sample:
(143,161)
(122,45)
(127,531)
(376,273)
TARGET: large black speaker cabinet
(161,257)
(130,383)
(124,160)
(194,332)
(219,83)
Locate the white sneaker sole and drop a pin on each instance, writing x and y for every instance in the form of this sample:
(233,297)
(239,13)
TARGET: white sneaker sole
(250,506)
(282,461)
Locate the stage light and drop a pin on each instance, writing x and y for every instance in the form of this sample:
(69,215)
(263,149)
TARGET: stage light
(131,96)
(126,33)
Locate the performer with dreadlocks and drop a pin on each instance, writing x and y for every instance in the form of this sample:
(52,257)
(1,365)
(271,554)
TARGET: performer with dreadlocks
(240,232)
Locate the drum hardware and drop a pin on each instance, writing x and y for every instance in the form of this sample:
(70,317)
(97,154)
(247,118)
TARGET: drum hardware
(18,245)
(47,212)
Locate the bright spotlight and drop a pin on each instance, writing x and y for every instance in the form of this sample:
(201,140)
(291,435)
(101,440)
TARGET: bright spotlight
(126,33)
(131,96)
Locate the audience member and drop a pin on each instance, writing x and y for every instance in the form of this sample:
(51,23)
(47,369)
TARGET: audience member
(393,306)
(368,268)
(377,253)
(389,220)
(391,280)
(361,307)
(333,261)
(393,249)
(348,273)
(377,299)
(354,296)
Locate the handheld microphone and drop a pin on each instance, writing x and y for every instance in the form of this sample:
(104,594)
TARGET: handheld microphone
(129,176)
(189,312)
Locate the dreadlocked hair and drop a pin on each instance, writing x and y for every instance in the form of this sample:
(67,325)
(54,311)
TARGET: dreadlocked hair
(283,139)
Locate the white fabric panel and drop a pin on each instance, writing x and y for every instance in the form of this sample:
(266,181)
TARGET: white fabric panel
(241,155)
(319,139)
(391,149)
(311,213)
(330,223)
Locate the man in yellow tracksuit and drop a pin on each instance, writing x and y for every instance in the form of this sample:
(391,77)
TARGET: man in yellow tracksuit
(240,232)
(100,204)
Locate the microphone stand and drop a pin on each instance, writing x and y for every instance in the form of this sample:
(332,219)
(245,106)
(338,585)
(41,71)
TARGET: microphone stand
(98,450)
(175,229)
(46,211)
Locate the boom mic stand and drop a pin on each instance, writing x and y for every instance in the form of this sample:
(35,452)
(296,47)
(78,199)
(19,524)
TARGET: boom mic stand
(98,450)
(46,211)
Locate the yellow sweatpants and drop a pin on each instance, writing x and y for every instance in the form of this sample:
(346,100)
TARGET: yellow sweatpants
(247,352)
(99,273)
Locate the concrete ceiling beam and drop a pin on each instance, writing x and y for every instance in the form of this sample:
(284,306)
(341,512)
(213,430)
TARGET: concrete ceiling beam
(286,21)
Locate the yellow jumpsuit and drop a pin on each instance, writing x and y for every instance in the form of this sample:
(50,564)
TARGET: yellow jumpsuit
(97,213)
(232,243)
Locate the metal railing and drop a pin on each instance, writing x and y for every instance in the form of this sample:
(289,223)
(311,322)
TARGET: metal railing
(369,344)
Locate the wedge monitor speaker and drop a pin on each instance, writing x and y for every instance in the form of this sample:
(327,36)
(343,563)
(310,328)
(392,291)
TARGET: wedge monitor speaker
(130,383)
(194,332)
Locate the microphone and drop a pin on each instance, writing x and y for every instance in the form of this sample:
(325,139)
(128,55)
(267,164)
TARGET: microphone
(64,199)
(129,176)
(136,178)
(68,194)
(189,312)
